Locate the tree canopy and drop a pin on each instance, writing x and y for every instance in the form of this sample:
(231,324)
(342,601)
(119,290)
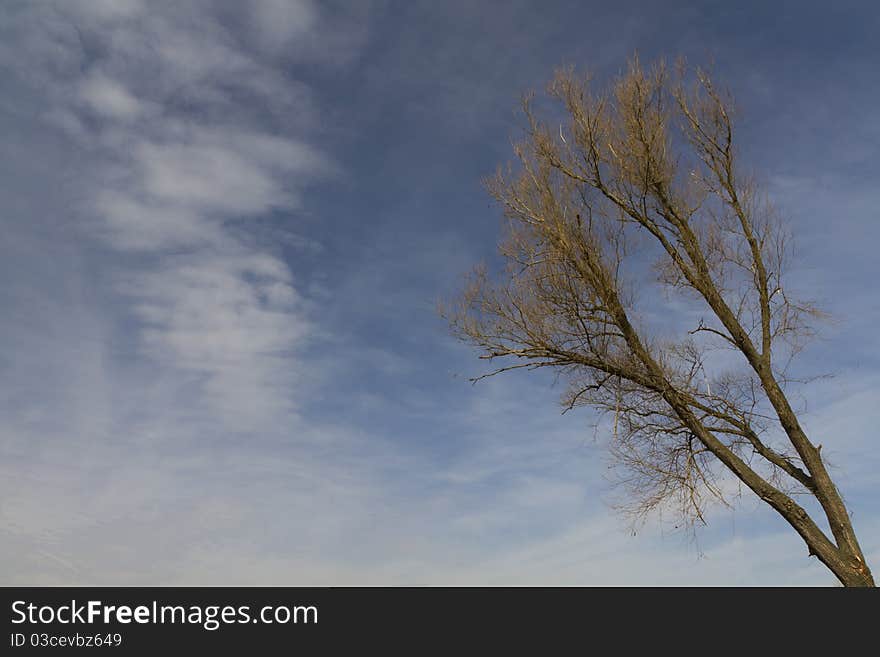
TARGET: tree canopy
(647,170)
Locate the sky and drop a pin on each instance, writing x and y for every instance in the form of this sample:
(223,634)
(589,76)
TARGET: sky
(226,227)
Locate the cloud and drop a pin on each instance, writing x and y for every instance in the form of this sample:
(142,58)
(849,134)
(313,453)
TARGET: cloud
(190,329)
(223,313)
(279,21)
(109,98)
(222,171)
(130,223)
(232,319)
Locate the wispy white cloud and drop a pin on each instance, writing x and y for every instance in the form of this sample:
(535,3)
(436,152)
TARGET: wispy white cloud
(280,21)
(109,98)
(223,310)
(197,337)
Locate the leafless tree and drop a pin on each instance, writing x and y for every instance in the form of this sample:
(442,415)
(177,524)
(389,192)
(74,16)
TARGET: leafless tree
(649,166)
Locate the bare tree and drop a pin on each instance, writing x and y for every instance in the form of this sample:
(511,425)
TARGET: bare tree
(649,167)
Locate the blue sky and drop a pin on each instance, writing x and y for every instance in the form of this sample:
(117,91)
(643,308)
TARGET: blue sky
(225,230)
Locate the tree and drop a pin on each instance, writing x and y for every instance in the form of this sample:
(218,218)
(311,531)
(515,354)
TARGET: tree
(648,168)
